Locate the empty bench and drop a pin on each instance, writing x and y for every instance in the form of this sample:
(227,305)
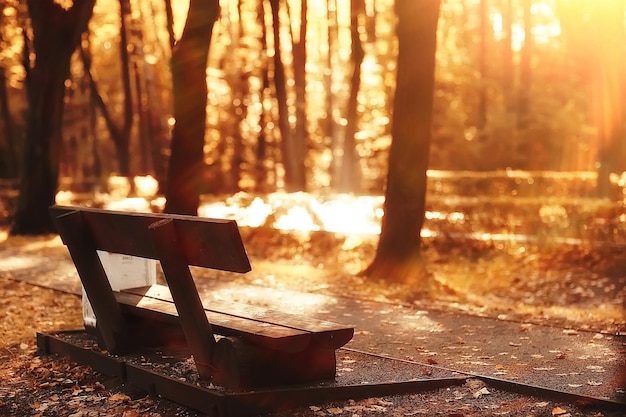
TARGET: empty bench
(234,345)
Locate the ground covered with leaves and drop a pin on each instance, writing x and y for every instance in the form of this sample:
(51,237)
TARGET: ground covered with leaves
(576,288)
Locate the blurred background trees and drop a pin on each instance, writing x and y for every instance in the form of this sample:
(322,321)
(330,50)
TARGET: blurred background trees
(56,33)
(300,94)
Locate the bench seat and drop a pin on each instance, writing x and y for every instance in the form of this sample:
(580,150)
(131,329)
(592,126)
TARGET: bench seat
(268,328)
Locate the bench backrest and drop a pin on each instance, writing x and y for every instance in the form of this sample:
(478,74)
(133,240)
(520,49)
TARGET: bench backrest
(208,243)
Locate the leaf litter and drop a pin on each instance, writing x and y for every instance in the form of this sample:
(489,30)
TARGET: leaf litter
(33,385)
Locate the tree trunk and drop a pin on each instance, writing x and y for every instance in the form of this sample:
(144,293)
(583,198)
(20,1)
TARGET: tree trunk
(333,132)
(398,256)
(8,165)
(292,160)
(507,54)
(56,34)
(169,15)
(261,152)
(481,122)
(189,60)
(523,95)
(607,31)
(119,135)
(122,137)
(299,70)
(350,174)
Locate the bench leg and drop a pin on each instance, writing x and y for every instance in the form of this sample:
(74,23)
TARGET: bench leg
(109,320)
(190,310)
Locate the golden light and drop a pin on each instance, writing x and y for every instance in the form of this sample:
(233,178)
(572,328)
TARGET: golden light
(546,27)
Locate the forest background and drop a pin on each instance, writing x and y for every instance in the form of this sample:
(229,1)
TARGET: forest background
(520,85)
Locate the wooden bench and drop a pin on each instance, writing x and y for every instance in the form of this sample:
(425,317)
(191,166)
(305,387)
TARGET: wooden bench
(234,345)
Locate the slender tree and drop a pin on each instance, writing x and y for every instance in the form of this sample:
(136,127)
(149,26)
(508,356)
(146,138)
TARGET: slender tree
(398,255)
(331,126)
(261,151)
(292,158)
(8,150)
(56,34)
(188,65)
(481,121)
(606,28)
(508,67)
(523,96)
(350,174)
(299,77)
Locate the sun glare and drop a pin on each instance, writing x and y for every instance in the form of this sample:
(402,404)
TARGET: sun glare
(546,27)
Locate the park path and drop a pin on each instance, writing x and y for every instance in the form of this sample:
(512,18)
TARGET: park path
(579,362)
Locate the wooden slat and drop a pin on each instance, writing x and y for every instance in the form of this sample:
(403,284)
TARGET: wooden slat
(208,243)
(193,320)
(267,335)
(253,320)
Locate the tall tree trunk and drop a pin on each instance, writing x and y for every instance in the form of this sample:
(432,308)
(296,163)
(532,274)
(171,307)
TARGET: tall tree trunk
(121,138)
(8,151)
(481,122)
(293,162)
(523,92)
(232,140)
(398,255)
(350,174)
(332,129)
(143,114)
(189,61)
(507,55)
(370,21)
(56,34)
(120,135)
(607,31)
(9,168)
(299,70)
(260,176)
(169,18)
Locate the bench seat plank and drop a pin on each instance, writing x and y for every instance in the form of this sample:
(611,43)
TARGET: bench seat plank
(280,330)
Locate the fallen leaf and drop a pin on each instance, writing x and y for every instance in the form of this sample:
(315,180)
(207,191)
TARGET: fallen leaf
(481,392)
(118,398)
(594,383)
(558,411)
(515,344)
